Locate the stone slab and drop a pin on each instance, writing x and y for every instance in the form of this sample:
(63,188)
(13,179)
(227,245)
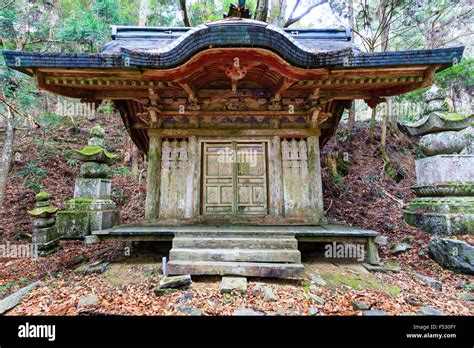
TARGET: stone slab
(14,299)
(233,255)
(444,169)
(235,242)
(250,269)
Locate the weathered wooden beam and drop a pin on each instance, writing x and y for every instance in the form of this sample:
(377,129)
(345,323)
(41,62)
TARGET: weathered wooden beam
(212,132)
(315,178)
(275,177)
(282,86)
(153,175)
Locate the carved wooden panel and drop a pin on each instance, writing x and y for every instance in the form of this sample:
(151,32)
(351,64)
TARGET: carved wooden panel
(234,178)
(296,191)
(174,173)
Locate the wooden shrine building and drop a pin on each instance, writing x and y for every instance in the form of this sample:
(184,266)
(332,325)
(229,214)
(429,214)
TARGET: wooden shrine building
(232,116)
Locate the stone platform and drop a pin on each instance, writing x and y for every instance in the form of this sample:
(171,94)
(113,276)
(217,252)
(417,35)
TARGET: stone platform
(246,250)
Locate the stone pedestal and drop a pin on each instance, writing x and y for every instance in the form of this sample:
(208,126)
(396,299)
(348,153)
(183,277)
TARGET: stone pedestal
(91,209)
(445,178)
(45,234)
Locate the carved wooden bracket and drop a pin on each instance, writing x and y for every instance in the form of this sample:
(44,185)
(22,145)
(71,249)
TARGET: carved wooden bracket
(373,102)
(152,110)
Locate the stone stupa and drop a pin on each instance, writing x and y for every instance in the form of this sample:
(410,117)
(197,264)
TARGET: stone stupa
(445,177)
(91,209)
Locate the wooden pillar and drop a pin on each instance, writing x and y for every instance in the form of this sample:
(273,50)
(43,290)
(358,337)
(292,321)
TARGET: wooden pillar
(153,176)
(194,179)
(275,177)
(315,182)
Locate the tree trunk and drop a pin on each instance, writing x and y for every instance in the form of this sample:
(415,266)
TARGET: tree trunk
(144,12)
(372,125)
(184,11)
(261,11)
(384,129)
(352,114)
(6,155)
(277,12)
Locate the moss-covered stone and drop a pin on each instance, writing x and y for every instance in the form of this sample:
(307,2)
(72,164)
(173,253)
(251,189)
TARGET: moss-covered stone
(95,154)
(94,170)
(97,131)
(73,224)
(42,196)
(43,212)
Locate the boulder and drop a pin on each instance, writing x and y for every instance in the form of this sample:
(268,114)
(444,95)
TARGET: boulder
(452,254)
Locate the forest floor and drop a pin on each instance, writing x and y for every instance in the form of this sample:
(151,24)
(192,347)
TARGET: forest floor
(361,194)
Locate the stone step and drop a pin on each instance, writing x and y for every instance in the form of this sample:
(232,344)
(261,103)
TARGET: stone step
(249,269)
(235,234)
(235,242)
(232,255)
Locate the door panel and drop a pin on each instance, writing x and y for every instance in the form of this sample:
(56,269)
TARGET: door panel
(234,178)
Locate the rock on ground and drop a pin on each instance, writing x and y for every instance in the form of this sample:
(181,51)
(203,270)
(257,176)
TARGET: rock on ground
(435,284)
(14,299)
(229,284)
(429,311)
(360,306)
(400,248)
(87,301)
(97,267)
(373,313)
(317,280)
(247,312)
(453,254)
(175,282)
(190,310)
(268,294)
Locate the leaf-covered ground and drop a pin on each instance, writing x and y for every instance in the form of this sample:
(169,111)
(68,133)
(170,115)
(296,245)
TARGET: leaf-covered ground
(364,195)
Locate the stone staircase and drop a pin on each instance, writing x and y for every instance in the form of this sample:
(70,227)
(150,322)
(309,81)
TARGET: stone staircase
(235,252)
(2,174)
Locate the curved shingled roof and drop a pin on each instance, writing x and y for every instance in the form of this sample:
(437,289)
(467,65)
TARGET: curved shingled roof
(164,48)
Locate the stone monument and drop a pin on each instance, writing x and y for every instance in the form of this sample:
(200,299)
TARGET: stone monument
(445,177)
(91,208)
(45,234)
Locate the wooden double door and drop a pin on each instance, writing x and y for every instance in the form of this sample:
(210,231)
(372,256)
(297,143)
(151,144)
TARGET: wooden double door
(234,178)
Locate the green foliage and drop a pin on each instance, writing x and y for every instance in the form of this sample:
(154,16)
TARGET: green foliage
(71,162)
(32,174)
(49,120)
(461,74)
(121,171)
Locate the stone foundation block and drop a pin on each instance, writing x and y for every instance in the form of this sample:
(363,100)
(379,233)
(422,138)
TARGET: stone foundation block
(92,188)
(73,224)
(102,220)
(444,169)
(45,237)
